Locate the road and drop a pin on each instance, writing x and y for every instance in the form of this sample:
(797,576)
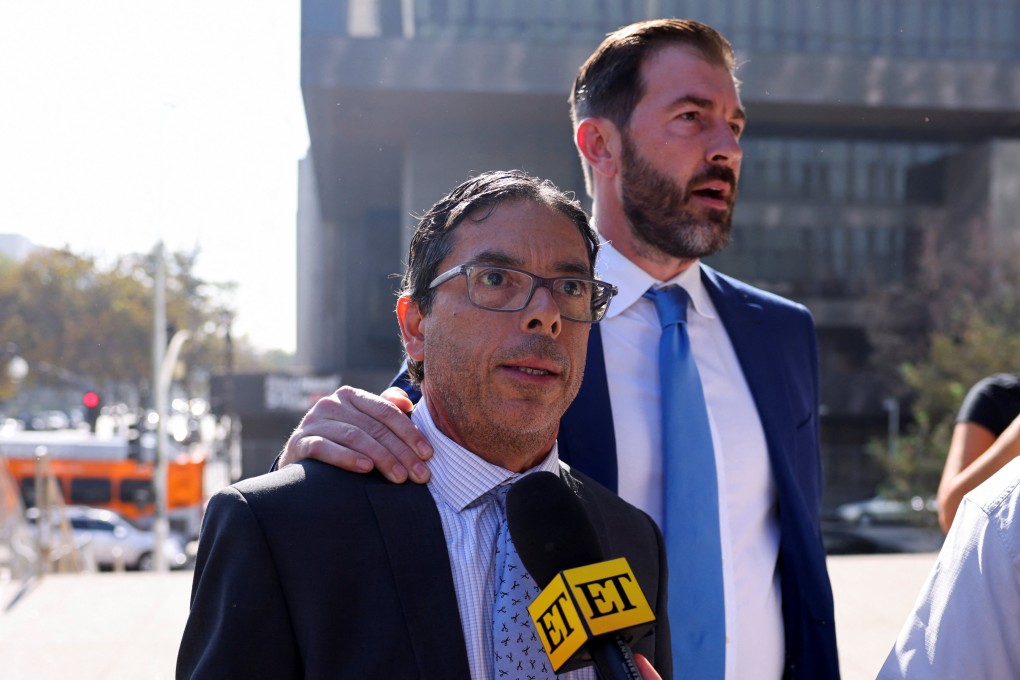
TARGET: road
(128,626)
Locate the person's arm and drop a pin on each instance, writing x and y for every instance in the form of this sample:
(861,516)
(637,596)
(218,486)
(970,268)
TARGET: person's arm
(358,431)
(964,623)
(974,456)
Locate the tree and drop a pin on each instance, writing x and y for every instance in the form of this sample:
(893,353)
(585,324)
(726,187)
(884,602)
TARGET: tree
(958,322)
(80,325)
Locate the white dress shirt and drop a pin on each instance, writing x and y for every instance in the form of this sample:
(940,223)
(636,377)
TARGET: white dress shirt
(748,520)
(460,485)
(966,623)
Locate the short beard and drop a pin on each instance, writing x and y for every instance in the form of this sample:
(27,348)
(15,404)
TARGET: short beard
(661,219)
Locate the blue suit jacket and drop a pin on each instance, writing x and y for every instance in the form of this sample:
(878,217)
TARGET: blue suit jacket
(775,342)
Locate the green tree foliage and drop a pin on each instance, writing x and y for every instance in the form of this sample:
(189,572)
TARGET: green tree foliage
(79,323)
(955,360)
(957,323)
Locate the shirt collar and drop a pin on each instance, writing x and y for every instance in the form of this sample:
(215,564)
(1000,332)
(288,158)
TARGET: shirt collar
(459,477)
(633,281)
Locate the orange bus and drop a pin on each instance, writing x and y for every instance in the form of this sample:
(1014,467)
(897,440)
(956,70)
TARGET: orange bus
(99,473)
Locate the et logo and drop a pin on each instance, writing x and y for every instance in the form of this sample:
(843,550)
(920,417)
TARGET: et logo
(584,602)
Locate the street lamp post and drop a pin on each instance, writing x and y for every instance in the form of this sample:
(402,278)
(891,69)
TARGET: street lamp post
(892,406)
(164,358)
(160,525)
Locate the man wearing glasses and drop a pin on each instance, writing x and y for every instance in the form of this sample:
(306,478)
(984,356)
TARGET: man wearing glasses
(314,571)
(733,473)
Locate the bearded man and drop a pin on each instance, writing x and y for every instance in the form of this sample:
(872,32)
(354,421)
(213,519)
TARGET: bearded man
(713,428)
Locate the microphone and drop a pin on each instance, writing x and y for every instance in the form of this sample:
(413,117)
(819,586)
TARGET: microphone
(589,609)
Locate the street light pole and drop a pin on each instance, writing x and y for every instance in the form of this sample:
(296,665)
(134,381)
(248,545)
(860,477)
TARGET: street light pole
(164,359)
(166,374)
(161,525)
(892,407)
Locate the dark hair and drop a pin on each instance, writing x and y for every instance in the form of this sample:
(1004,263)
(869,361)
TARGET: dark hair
(476,199)
(608,84)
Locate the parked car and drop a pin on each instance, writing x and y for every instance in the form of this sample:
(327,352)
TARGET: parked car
(50,420)
(104,532)
(8,425)
(882,510)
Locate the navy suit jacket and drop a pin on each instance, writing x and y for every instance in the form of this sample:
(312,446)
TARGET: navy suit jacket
(315,572)
(775,342)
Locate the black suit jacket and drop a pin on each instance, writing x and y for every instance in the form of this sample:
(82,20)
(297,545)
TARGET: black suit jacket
(314,572)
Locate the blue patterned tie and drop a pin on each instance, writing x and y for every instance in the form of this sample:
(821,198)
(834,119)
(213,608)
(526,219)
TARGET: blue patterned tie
(517,651)
(690,500)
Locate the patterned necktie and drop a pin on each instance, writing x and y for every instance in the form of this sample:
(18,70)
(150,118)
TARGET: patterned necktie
(517,651)
(690,500)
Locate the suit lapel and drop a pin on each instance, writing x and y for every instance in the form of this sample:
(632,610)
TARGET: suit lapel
(587,439)
(413,534)
(755,344)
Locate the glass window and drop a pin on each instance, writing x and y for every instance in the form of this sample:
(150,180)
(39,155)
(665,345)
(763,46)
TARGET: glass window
(838,170)
(1006,25)
(91,490)
(28,491)
(137,491)
(741,25)
(984,27)
(911,27)
(765,17)
(815,26)
(841,23)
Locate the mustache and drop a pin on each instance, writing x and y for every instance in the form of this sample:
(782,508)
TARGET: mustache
(714,172)
(537,347)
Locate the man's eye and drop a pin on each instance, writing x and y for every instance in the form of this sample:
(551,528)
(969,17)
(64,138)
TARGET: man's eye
(573,288)
(492,278)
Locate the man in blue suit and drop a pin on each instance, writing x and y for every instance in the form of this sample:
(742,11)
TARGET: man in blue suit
(657,120)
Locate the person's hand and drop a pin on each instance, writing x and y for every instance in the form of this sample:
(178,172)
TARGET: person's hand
(645,668)
(358,431)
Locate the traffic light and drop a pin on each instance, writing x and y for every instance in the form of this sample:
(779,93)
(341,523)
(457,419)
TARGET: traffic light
(92,403)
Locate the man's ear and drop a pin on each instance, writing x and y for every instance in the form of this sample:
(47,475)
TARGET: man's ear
(599,141)
(412,327)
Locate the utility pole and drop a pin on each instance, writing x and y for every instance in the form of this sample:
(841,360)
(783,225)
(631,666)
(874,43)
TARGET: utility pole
(161,525)
(164,359)
(892,407)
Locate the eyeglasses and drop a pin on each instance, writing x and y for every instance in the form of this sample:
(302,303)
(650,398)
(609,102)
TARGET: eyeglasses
(503,289)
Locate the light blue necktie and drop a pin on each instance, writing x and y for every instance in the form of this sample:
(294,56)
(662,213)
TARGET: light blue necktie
(517,652)
(690,501)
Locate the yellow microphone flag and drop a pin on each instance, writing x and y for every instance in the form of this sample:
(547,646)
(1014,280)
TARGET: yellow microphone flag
(584,602)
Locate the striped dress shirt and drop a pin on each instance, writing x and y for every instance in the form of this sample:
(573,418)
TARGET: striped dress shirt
(461,485)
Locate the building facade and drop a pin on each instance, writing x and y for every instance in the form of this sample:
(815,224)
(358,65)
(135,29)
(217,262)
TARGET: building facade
(870,122)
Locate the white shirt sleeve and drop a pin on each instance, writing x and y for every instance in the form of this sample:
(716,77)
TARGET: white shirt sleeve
(966,622)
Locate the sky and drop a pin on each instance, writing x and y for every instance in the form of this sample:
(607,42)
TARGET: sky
(127,122)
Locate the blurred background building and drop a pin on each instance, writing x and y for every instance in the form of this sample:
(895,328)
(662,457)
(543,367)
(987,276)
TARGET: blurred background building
(871,122)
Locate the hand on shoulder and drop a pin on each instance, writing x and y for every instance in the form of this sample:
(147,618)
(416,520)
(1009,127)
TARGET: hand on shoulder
(360,431)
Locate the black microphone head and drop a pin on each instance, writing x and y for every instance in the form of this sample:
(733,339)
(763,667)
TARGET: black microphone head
(549,527)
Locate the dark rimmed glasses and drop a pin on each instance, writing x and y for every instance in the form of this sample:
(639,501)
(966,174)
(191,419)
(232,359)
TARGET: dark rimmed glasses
(505,289)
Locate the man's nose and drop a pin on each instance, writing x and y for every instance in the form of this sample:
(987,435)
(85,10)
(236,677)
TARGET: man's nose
(542,315)
(724,147)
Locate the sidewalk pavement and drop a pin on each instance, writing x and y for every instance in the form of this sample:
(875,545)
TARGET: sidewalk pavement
(128,626)
(873,596)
